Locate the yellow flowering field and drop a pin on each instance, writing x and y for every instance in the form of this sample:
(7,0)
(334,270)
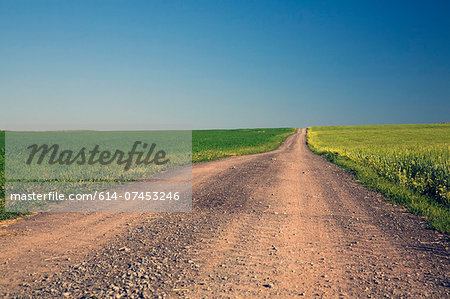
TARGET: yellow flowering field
(408,163)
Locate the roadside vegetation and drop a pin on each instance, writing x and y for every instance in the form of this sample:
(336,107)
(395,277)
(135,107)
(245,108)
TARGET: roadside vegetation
(207,145)
(409,164)
(3,215)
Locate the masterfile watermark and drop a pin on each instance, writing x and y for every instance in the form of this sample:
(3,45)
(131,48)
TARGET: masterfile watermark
(98,171)
(53,155)
(101,196)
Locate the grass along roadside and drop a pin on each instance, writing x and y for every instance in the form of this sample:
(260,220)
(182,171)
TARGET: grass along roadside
(4,215)
(207,145)
(409,164)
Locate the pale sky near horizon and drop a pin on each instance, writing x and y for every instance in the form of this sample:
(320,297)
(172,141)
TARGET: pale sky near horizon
(223,64)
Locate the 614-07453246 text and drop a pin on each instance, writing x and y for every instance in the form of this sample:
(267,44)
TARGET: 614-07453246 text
(103,196)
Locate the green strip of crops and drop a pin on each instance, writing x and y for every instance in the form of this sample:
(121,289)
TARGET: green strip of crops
(207,145)
(410,164)
(3,215)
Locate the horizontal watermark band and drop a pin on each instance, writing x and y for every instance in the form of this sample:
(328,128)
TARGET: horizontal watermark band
(90,171)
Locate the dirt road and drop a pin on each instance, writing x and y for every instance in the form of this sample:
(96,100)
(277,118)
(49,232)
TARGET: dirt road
(280,224)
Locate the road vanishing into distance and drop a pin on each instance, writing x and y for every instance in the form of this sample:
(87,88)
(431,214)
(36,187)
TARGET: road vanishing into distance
(286,223)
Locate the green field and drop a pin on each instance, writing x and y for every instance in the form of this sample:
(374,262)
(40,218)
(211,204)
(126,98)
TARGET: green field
(207,145)
(410,164)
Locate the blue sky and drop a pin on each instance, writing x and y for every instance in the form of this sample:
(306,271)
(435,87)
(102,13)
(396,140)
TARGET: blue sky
(223,64)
